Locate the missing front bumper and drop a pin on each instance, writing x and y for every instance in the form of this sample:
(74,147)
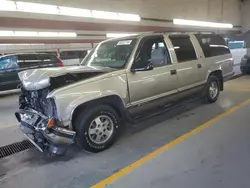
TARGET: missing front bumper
(44,138)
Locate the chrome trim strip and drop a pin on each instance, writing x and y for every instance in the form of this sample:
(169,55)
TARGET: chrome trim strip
(154,97)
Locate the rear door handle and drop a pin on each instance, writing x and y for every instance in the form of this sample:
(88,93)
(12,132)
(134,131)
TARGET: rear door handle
(199,66)
(173,72)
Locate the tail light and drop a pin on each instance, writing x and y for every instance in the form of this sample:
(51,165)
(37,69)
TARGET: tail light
(60,64)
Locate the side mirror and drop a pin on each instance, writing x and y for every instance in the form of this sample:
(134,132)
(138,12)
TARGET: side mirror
(149,67)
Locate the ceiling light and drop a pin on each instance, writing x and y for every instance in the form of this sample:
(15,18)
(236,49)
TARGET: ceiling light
(115,35)
(48,34)
(67,34)
(61,10)
(201,23)
(36,34)
(24,44)
(25,34)
(7,33)
(8,5)
(105,15)
(129,17)
(31,44)
(75,12)
(37,8)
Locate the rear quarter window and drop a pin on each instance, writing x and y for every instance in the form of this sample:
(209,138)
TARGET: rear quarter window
(28,60)
(212,45)
(48,58)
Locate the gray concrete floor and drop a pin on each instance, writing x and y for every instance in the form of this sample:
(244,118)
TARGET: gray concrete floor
(78,169)
(216,157)
(9,131)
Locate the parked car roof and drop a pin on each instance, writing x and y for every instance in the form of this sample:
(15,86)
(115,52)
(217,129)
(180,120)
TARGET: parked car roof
(11,54)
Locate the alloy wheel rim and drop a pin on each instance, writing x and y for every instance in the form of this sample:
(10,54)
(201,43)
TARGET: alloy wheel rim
(101,129)
(213,89)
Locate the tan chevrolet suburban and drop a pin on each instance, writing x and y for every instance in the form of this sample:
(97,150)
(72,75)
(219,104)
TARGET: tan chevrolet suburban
(119,80)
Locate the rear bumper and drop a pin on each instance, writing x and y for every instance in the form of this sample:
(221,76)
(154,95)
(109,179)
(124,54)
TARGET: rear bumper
(40,135)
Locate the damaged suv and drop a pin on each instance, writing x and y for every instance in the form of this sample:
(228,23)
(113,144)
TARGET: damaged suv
(121,79)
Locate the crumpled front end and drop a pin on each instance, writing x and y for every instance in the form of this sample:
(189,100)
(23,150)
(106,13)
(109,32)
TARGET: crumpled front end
(38,121)
(38,114)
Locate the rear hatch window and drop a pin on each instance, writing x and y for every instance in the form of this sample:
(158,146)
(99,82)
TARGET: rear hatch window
(28,61)
(48,60)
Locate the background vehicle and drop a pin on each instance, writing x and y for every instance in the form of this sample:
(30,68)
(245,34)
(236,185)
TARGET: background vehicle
(122,79)
(245,64)
(72,57)
(11,64)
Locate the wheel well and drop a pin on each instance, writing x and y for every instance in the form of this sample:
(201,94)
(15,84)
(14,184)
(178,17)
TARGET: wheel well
(113,101)
(218,74)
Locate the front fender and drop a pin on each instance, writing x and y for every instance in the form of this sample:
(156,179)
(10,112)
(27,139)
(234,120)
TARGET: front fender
(68,99)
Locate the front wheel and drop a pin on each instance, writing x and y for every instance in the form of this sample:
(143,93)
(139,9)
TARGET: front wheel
(212,89)
(97,128)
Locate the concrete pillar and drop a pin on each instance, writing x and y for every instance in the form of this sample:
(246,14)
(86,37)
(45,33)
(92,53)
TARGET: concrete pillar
(245,15)
(245,23)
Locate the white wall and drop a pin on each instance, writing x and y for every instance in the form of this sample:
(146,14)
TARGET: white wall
(210,10)
(70,62)
(238,54)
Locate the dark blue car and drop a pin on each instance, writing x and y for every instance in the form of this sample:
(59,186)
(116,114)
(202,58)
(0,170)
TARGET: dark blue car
(11,64)
(245,64)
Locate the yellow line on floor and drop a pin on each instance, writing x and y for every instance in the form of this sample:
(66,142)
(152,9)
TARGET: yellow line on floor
(106,182)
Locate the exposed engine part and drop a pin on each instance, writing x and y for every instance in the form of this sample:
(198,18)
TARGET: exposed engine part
(63,80)
(37,100)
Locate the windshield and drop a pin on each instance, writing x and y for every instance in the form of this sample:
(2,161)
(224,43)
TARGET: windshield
(114,54)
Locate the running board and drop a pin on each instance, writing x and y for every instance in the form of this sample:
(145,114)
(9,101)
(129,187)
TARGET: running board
(158,111)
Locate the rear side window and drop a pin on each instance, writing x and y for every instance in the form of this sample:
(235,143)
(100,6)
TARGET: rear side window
(28,60)
(212,45)
(46,58)
(183,48)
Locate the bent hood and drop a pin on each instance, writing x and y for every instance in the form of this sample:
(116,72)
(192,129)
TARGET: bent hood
(36,79)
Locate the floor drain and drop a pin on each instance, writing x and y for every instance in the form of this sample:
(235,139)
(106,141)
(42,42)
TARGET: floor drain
(15,148)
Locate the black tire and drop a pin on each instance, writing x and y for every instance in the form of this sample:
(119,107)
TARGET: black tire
(207,97)
(83,122)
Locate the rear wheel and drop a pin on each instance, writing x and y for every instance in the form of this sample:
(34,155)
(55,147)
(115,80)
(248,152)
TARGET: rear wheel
(97,128)
(212,89)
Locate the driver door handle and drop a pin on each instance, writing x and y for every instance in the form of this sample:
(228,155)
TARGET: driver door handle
(199,66)
(173,72)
